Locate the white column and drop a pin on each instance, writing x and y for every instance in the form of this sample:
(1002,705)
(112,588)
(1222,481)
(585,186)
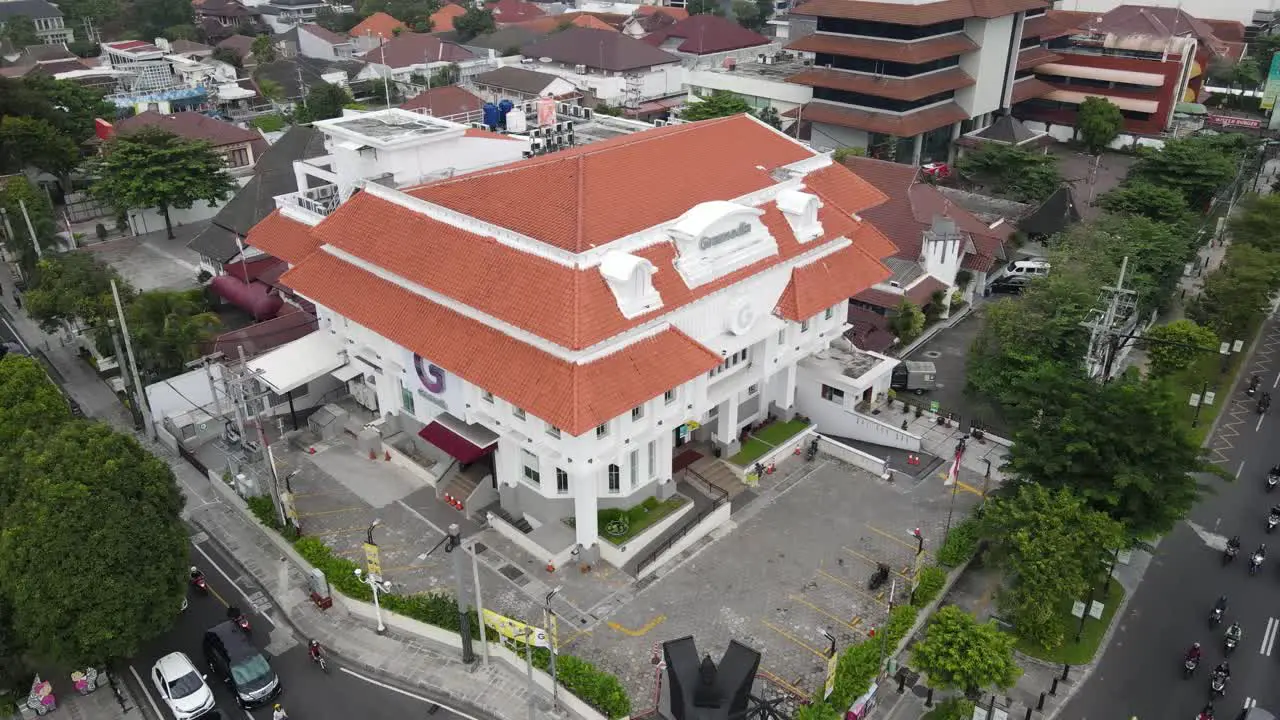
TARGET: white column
(789,387)
(299,176)
(917,148)
(506,461)
(729,423)
(583,482)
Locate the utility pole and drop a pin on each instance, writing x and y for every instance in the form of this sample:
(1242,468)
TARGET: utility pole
(35,241)
(140,394)
(273,479)
(475,576)
(453,548)
(120,360)
(1105,338)
(206,361)
(302,89)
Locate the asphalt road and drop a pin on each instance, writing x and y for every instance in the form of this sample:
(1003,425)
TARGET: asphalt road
(309,693)
(1140,676)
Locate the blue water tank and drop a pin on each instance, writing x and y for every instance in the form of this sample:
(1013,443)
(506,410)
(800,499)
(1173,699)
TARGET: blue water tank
(504,107)
(491,116)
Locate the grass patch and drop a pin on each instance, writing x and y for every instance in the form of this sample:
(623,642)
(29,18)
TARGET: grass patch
(766,439)
(1072,652)
(636,519)
(957,708)
(1208,367)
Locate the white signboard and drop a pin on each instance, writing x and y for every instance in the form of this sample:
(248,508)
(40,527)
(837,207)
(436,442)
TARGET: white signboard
(433,389)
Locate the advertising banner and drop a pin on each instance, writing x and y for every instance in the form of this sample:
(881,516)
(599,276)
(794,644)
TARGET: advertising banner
(1272,87)
(373,560)
(516,630)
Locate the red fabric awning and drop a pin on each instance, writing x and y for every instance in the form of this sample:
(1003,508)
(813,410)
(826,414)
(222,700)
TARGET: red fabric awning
(457,447)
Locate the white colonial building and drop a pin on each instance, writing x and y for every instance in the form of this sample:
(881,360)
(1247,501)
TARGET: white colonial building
(569,320)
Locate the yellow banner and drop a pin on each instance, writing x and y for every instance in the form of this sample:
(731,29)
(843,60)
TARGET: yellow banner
(290,510)
(832,662)
(373,559)
(516,630)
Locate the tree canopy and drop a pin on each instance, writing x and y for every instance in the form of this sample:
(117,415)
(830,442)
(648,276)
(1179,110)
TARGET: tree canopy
(1121,446)
(1053,546)
(704,7)
(16,192)
(752,14)
(1011,171)
(1198,166)
(1258,222)
(1237,295)
(1157,254)
(1174,347)
(20,31)
(93,556)
(1099,122)
(959,653)
(66,105)
(32,142)
(263,49)
(168,329)
(324,101)
(73,286)
(150,18)
(721,103)
(474,22)
(1162,204)
(154,168)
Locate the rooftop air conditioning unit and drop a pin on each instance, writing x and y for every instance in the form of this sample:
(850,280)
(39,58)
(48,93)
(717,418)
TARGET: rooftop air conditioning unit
(587,114)
(760,58)
(537,147)
(568,125)
(580,69)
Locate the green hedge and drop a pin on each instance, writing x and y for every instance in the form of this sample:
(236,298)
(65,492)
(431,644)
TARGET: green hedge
(928,584)
(961,544)
(596,687)
(859,664)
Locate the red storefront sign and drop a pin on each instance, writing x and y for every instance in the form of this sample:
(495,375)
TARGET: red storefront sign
(1233,121)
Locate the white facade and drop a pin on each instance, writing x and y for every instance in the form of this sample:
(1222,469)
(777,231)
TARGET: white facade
(759,85)
(314,46)
(1238,10)
(659,81)
(992,65)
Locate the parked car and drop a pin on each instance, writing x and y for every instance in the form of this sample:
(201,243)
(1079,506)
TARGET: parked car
(241,665)
(1009,285)
(181,686)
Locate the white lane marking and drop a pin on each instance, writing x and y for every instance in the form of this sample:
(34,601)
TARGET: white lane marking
(13,331)
(239,589)
(406,693)
(1276,384)
(147,692)
(1269,637)
(1250,702)
(1239,469)
(1213,540)
(1258,427)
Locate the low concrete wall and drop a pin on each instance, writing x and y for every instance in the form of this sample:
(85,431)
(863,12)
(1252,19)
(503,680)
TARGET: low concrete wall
(521,540)
(791,447)
(711,522)
(618,556)
(406,463)
(878,466)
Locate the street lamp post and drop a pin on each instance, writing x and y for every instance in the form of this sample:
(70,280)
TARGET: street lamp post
(451,547)
(1199,400)
(831,650)
(378,585)
(368,534)
(955,484)
(549,618)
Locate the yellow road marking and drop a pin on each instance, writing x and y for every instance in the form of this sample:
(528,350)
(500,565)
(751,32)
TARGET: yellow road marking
(329,512)
(794,639)
(566,643)
(642,630)
(216,595)
(819,610)
(909,545)
(857,554)
(779,681)
(850,586)
(963,486)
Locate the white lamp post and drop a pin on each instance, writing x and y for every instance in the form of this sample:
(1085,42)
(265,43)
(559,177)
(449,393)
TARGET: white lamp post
(378,585)
(548,617)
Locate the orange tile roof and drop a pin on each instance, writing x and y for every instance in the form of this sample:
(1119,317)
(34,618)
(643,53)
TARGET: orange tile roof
(442,19)
(674,12)
(551,23)
(280,237)
(570,307)
(574,398)
(849,192)
(873,241)
(379,24)
(828,280)
(588,196)
(919,51)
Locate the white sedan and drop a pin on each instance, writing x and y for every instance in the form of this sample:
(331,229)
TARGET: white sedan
(181,686)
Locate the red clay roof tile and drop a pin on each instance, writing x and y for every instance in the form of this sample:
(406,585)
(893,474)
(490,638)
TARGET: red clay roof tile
(829,280)
(280,237)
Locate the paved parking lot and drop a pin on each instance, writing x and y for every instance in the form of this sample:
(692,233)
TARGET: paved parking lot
(783,570)
(1089,181)
(949,351)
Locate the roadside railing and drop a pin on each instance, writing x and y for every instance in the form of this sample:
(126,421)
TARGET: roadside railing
(722,496)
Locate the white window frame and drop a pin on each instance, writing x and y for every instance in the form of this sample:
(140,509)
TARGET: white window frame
(553,431)
(518,412)
(562,488)
(633,460)
(531,469)
(602,430)
(669,396)
(613,476)
(637,413)
(653,459)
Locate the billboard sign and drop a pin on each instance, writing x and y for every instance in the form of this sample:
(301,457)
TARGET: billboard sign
(1272,87)
(430,386)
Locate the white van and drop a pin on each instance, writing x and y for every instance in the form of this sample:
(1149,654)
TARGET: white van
(1030,268)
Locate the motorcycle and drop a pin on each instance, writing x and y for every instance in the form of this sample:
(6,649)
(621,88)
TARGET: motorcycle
(1229,554)
(1255,562)
(1253,386)
(1189,666)
(1272,521)
(199,583)
(242,622)
(1229,643)
(1218,684)
(1215,617)
(812,452)
(1272,480)
(1264,404)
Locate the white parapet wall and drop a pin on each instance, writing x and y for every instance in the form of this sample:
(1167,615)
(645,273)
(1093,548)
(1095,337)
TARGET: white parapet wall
(620,555)
(713,521)
(877,466)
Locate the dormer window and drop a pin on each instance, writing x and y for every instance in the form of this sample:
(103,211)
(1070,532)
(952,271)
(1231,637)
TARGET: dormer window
(801,211)
(630,277)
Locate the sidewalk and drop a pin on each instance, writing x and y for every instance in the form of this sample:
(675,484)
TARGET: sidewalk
(430,667)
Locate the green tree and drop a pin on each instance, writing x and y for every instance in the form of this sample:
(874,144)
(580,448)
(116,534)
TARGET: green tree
(474,22)
(721,103)
(32,142)
(1098,122)
(747,14)
(16,192)
(1053,546)
(85,48)
(1257,223)
(1197,167)
(334,21)
(228,56)
(31,408)
(959,653)
(152,17)
(153,168)
(1157,254)
(1237,296)
(704,7)
(66,105)
(270,89)
(73,286)
(769,116)
(169,328)
(263,49)
(182,32)
(20,31)
(1020,174)
(1122,446)
(907,321)
(1175,347)
(94,553)
(1155,202)
(324,101)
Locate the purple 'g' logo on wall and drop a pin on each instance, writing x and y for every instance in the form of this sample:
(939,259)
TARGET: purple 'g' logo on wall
(431,376)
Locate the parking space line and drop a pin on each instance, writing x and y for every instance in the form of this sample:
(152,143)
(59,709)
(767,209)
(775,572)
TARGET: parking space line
(330,512)
(908,545)
(860,591)
(360,550)
(773,678)
(640,631)
(573,638)
(340,531)
(815,608)
(794,639)
(150,700)
(857,554)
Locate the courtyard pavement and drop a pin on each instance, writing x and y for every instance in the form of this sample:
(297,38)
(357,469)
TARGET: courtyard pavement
(153,261)
(949,352)
(1088,180)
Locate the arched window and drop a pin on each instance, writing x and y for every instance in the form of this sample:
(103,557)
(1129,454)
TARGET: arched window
(615,479)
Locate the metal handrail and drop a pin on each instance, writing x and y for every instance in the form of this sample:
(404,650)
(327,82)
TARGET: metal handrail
(721,499)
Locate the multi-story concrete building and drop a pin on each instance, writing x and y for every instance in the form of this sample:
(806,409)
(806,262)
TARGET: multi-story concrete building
(44,16)
(905,78)
(565,322)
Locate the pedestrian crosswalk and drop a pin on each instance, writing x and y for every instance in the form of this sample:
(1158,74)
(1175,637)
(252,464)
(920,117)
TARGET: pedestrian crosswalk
(1269,637)
(1250,702)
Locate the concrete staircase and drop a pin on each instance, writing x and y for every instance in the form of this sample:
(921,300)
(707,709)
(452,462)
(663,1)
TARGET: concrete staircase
(456,485)
(521,524)
(717,473)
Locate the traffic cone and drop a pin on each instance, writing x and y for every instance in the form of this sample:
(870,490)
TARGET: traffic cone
(372,455)
(386,455)
(797,450)
(311,451)
(448,498)
(551,567)
(457,504)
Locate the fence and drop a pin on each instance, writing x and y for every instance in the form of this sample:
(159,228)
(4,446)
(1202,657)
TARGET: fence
(722,496)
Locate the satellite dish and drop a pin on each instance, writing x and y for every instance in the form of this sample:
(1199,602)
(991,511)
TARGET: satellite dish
(545,59)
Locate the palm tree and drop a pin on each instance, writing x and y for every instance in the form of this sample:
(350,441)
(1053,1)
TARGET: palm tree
(168,329)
